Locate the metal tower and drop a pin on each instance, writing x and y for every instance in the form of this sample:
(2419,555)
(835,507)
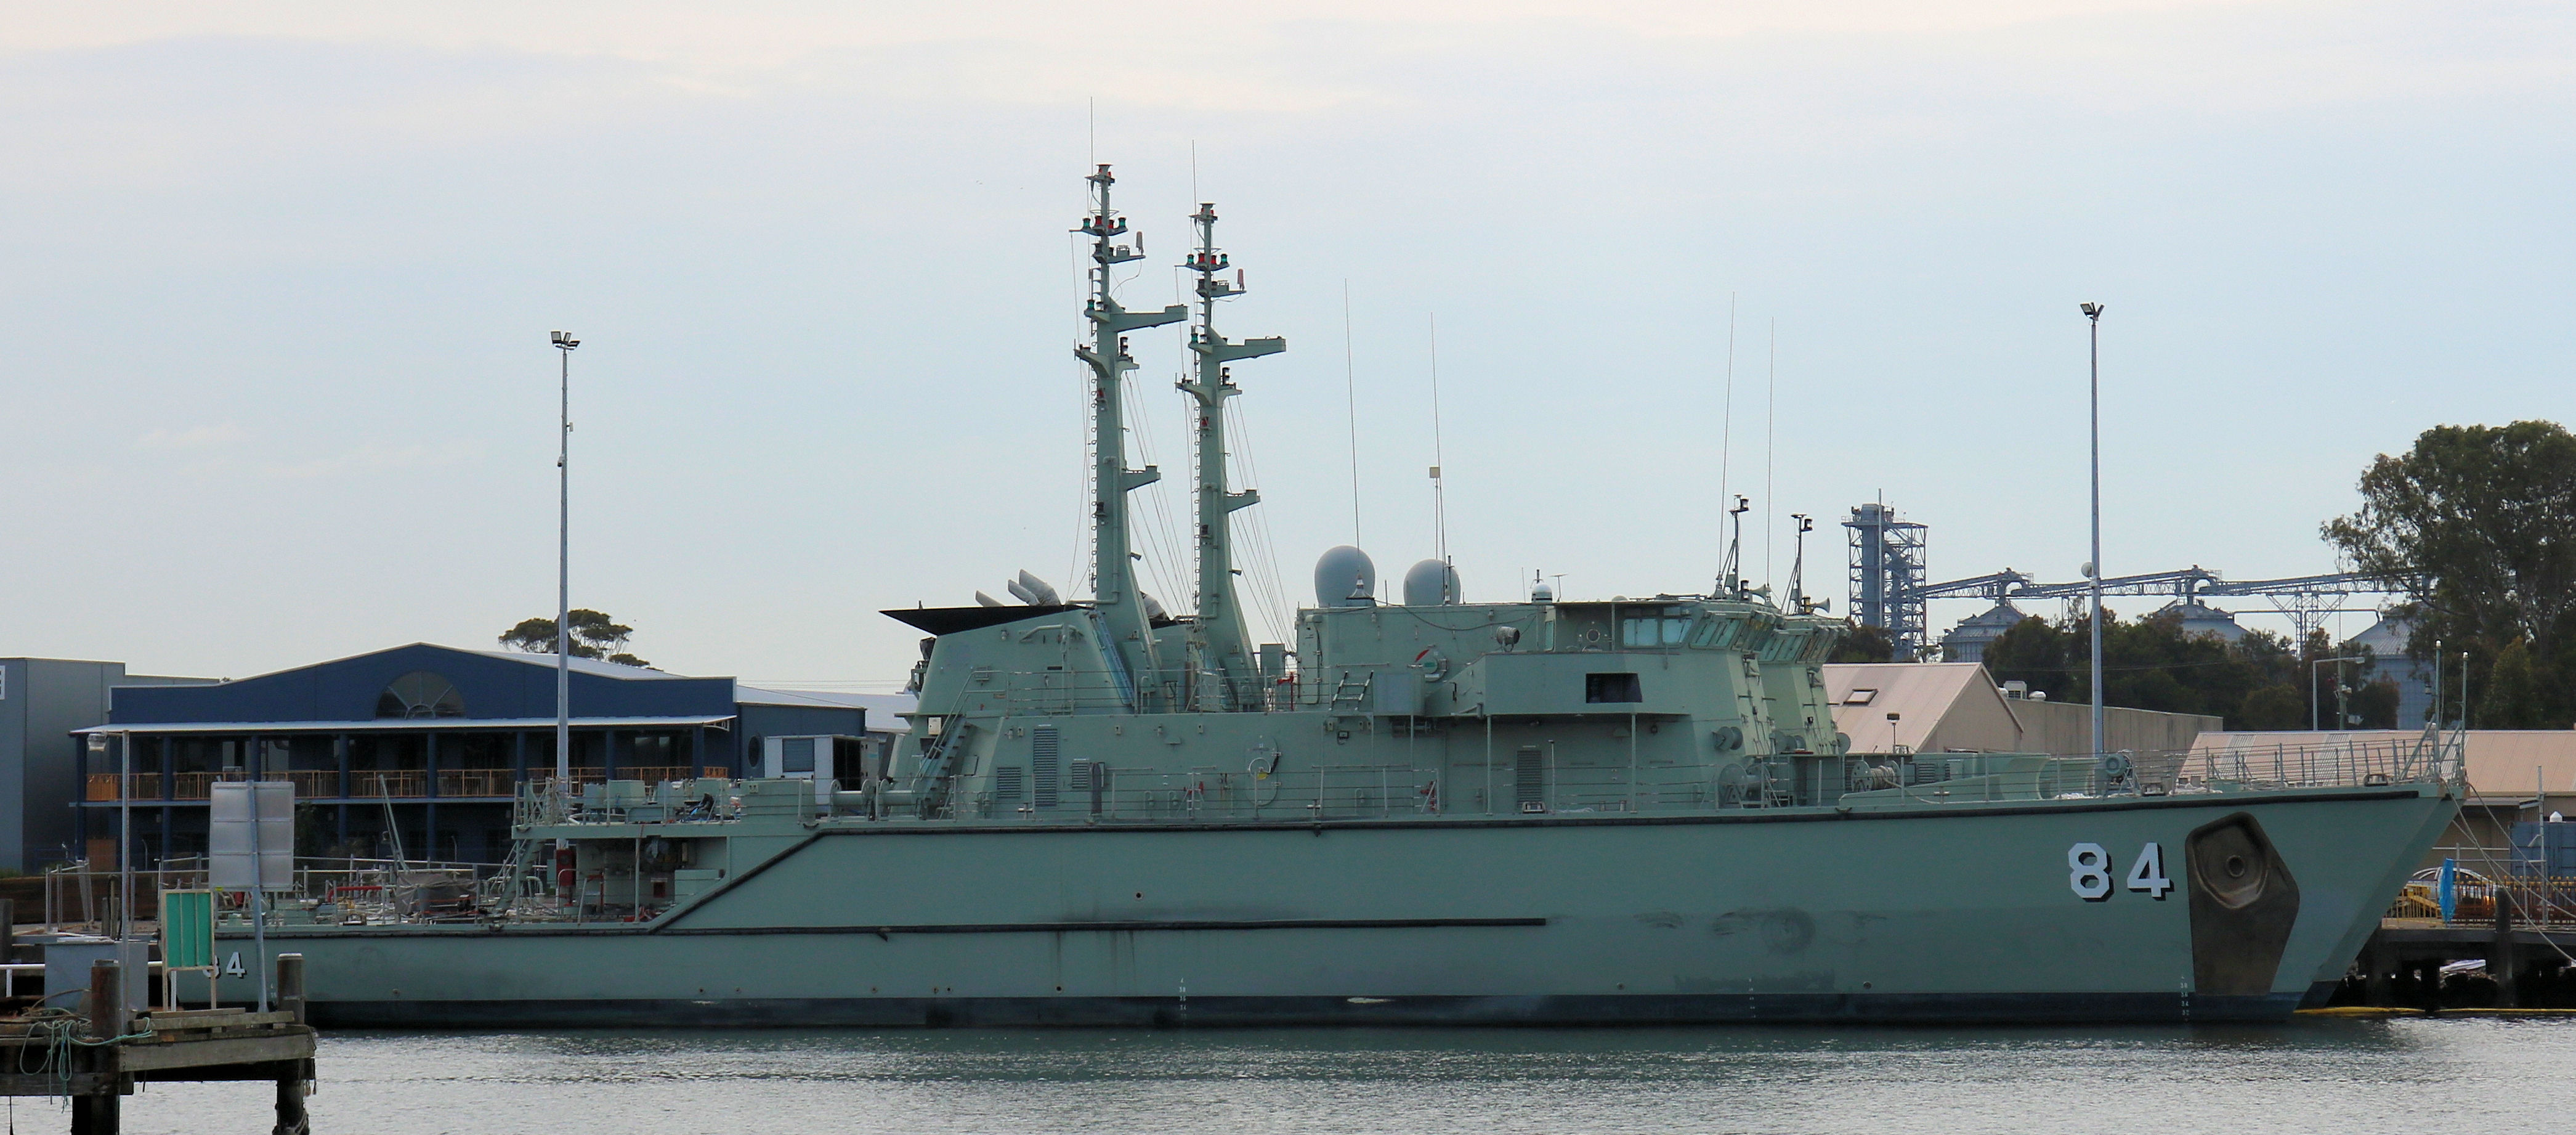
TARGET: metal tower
(1887,557)
(1219,655)
(1113,575)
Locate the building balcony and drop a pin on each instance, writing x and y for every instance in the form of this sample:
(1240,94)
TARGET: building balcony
(368,784)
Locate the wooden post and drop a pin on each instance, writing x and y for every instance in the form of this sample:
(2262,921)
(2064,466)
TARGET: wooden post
(291,1117)
(290,985)
(106,1000)
(97,1113)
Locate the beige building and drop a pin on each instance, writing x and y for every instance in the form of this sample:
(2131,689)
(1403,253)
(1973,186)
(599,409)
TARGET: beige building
(1920,707)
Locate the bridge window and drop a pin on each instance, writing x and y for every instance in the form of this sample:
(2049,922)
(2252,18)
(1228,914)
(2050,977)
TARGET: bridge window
(1653,630)
(1601,688)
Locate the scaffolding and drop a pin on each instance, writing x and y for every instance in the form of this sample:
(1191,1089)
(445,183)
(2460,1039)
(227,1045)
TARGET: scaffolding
(1887,558)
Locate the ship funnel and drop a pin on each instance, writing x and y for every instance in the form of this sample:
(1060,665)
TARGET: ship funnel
(1020,591)
(1345,577)
(1430,583)
(1153,607)
(984,600)
(1039,592)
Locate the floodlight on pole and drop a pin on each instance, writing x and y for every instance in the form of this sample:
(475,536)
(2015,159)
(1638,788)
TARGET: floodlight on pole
(564,345)
(2093,567)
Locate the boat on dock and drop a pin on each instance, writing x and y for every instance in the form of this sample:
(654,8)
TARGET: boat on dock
(1421,810)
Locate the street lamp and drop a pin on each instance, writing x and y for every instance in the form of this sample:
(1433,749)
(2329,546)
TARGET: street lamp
(2312,691)
(564,345)
(2093,567)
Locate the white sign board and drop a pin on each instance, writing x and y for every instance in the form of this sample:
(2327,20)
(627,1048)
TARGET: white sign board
(250,839)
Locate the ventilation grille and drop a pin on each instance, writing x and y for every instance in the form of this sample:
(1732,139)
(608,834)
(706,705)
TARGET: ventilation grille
(1009,781)
(1044,759)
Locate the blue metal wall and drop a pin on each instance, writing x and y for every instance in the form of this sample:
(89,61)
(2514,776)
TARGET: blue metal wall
(346,690)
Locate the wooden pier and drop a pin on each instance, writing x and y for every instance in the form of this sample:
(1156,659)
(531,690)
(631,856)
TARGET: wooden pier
(2530,965)
(97,1055)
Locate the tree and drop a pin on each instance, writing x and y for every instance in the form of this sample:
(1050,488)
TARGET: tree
(594,635)
(2471,524)
(2276,706)
(1865,643)
(2256,682)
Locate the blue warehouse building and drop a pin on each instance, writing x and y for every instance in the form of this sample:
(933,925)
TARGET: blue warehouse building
(419,750)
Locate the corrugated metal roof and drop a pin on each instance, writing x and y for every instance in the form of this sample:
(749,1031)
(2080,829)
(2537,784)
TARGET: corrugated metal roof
(1920,693)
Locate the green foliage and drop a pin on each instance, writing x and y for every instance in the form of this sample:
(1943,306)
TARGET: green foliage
(2258,682)
(2472,524)
(594,635)
(2514,697)
(1864,643)
(2276,706)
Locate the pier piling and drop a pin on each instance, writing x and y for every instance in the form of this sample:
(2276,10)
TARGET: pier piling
(291,1118)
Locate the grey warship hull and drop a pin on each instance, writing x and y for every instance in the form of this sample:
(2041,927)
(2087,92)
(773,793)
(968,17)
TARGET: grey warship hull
(1534,812)
(1963,913)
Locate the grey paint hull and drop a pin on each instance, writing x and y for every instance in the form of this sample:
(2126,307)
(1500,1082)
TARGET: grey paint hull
(1959,914)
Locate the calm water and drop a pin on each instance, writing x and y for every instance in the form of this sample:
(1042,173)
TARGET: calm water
(2335,1076)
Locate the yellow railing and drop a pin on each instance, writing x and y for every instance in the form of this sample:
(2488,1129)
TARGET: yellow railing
(382,783)
(139,786)
(475,782)
(309,783)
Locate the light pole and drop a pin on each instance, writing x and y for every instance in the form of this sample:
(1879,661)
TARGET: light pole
(2312,690)
(564,345)
(2093,567)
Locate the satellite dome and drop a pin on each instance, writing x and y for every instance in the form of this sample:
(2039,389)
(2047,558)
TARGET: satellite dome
(1345,577)
(1430,583)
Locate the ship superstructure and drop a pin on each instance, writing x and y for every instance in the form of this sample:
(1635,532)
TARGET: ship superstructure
(1546,810)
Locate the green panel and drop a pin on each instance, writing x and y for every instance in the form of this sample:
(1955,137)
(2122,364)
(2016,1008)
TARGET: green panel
(187,929)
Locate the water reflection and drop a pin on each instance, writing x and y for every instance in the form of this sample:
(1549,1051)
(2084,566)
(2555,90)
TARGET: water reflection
(2347,1076)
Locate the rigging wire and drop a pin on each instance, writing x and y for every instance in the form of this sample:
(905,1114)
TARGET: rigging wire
(1261,566)
(1726,428)
(1770,471)
(1439,467)
(1351,392)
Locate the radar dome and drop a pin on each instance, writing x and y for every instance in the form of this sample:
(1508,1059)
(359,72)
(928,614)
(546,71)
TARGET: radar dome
(1430,583)
(1345,577)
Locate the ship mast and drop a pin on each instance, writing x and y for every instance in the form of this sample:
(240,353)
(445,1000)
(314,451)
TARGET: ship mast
(1113,572)
(1217,641)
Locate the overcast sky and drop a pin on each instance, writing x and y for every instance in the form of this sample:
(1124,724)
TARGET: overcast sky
(278,279)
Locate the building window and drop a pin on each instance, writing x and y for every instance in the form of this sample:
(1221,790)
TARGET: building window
(1599,688)
(1862,696)
(420,694)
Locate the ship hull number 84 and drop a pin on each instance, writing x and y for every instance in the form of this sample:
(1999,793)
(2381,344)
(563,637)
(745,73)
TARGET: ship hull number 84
(2088,872)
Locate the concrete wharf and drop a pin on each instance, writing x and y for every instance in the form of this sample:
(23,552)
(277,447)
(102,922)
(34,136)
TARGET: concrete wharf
(98,1054)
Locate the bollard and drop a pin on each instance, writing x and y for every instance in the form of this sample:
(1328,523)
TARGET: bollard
(290,985)
(106,1000)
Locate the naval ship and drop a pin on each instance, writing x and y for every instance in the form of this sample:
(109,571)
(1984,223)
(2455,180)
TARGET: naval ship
(1421,811)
